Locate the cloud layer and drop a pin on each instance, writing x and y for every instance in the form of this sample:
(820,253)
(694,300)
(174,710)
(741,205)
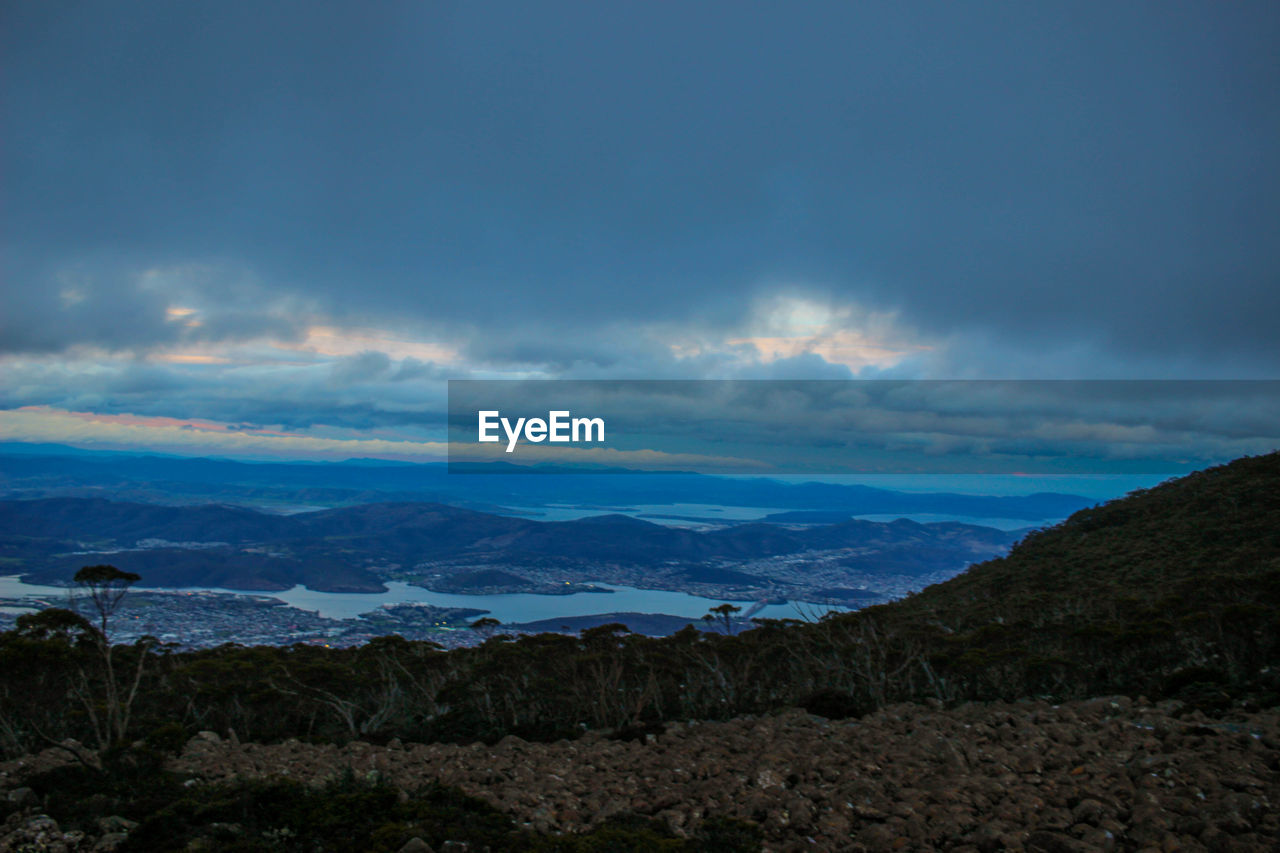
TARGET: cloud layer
(306,217)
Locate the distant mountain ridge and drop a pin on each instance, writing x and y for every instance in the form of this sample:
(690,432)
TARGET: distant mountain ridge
(168,479)
(315,545)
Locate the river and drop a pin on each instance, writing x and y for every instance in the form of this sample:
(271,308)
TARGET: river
(515,607)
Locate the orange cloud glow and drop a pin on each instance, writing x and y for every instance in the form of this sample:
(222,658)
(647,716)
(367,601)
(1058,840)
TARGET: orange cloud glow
(333,341)
(196,437)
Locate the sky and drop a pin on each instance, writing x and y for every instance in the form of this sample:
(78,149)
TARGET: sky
(276,229)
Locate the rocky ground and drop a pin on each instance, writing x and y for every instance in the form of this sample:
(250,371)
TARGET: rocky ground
(1103,774)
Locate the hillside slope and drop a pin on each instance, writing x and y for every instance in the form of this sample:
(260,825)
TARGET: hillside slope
(1171,586)
(1204,528)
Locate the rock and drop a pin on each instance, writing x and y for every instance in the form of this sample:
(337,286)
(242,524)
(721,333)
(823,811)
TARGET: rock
(1098,839)
(416,845)
(39,832)
(1043,841)
(116,823)
(42,824)
(1088,811)
(24,798)
(877,836)
(110,842)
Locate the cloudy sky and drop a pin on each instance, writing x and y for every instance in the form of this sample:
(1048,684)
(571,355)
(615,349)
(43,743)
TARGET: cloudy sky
(267,228)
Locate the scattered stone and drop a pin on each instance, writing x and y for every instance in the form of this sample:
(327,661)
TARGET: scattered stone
(416,845)
(1042,841)
(116,823)
(110,842)
(1107,774)
(24,798)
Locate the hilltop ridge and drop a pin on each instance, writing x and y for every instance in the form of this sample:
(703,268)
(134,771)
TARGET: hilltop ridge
(356,548)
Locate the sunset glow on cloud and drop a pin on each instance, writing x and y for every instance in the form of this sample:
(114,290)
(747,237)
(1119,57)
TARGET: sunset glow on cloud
(202,437)
(196,437)
(334,341)
(789,326)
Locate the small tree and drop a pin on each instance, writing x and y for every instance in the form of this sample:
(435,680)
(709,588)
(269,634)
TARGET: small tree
(725,611)
(486,626)
(106,587)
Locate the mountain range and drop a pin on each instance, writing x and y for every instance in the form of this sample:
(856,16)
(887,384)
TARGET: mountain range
(28,471)
(349,549)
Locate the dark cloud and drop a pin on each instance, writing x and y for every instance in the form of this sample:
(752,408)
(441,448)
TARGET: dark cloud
(79,304)
(807,366)
(413,369)
(104,302)
(363,367)
(240,324)
(908,426)
(1026,175)
(562,354)
(367,391)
